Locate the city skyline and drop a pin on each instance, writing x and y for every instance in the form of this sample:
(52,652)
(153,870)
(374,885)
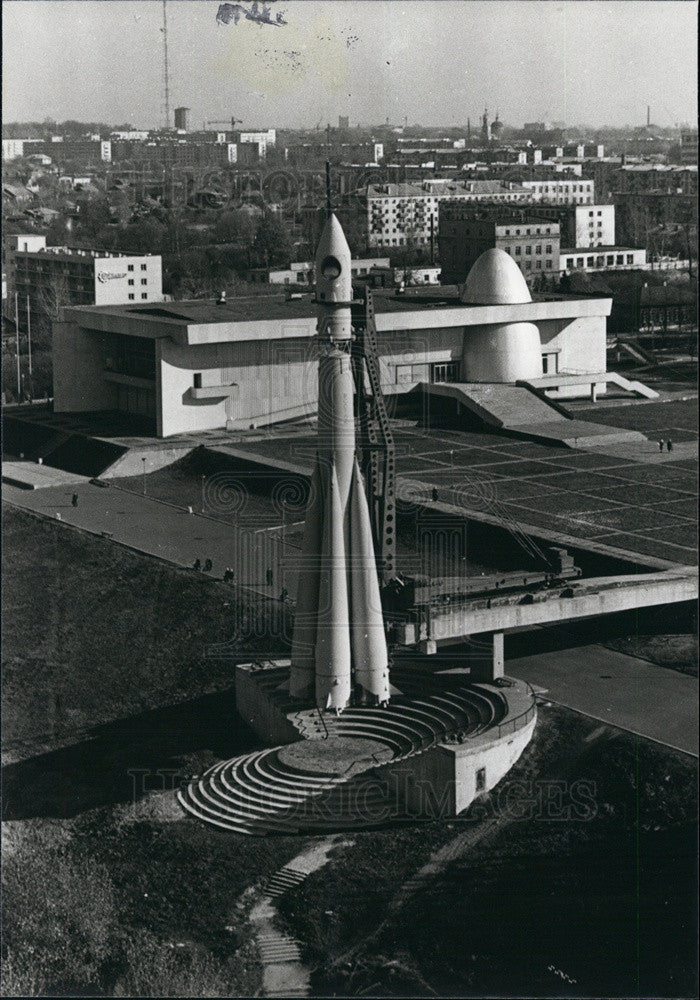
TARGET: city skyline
(529,62)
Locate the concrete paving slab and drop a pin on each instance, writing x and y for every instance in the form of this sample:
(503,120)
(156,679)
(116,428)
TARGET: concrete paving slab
(621,690)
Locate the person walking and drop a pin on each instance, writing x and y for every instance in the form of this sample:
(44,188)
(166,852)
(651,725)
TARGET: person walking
(661,446)
(669,446)
(74,500)
(207,565)
(197,565)
(269,577)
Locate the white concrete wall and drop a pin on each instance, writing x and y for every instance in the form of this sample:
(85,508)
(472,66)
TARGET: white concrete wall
(78,370)
(418,349)
(504,352)
(112,277)
(442,782)
(272,378)
(602,233)
(580,343)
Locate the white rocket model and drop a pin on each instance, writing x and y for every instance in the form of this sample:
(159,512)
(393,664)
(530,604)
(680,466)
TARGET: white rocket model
(339,635)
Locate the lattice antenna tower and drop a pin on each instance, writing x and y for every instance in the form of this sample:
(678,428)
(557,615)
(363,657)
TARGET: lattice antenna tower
(165,65)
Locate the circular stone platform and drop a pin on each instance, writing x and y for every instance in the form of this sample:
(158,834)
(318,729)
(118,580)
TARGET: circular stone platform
(334,755)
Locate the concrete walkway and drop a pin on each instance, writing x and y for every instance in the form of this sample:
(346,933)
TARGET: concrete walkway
(623,691)
(147,525)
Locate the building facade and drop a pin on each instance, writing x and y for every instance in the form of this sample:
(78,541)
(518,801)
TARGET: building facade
(187,367)
(402,214)
(52,277)
(465,233)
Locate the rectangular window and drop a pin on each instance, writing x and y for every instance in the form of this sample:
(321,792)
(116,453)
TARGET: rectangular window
(130,267)
(131,281)
(517,251)
(630,258)
(131,295)
(549,248)
(528,250)
(569,261)
(507,249)
(447,371)
(548,264)
(550,363)
(611,259)
(197,380)
(144,267)
(538,265)
(144,281)
(590,261)
(538,248)
(144,295)
(619,259)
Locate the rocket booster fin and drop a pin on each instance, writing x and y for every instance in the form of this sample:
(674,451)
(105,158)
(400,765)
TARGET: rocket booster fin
(369,650)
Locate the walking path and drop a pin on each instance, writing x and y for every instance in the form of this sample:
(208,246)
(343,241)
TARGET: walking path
(624,691)
(150,526)
(439,860)
(284,973)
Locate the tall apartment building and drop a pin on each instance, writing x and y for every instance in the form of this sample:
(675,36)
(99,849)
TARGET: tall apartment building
(465,233)
(58,276)
(398,214)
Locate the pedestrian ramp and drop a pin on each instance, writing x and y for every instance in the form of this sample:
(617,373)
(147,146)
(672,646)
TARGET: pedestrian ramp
(522,412)
(31,476)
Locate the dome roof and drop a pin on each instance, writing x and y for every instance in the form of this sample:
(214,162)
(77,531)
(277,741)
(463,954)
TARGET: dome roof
(495,279)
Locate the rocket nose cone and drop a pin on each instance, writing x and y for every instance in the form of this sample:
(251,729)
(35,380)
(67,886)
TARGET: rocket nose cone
(333,243)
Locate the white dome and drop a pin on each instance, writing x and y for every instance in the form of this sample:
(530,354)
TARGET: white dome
(495,279)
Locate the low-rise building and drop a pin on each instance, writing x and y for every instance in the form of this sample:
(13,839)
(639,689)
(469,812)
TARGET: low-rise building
(605,258)
(187,367)
(52,277)
(302,272)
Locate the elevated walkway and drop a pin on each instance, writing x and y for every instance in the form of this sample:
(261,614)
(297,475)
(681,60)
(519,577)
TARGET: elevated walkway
(566,384)
(524,412)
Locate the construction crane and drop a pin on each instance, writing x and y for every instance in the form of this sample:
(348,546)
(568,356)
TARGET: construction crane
(229,121)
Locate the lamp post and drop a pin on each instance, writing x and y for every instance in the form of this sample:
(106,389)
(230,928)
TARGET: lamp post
(203,478)
(144,476)
(19,381)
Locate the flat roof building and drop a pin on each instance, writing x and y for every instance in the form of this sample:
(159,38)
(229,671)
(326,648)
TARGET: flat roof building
(189,367)
(465,233)
(55,276)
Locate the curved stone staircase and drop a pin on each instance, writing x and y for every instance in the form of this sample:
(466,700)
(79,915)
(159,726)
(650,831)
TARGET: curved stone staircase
(259,793)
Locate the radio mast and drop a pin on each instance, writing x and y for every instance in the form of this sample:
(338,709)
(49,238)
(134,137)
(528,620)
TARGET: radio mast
(167,74)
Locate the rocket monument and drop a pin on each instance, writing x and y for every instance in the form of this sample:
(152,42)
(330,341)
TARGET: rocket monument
(339,644)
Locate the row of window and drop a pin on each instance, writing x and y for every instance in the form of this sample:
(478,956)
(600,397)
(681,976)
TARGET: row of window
(609,260)
(528,249)
(144,295)
(144,281)
(130,267)
(546,230)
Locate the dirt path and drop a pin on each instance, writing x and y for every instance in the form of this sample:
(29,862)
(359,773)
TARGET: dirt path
(439,860)
(284,973)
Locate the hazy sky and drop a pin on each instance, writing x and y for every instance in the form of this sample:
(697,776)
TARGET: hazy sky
(433,61)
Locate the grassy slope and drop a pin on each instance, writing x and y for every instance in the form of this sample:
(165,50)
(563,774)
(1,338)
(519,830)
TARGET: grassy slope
(104,894)
(608,901)
(103,632)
